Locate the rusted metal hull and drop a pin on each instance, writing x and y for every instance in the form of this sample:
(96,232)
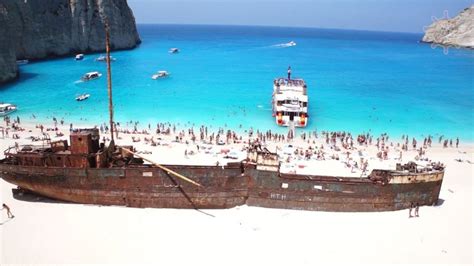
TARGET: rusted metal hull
(135,187)
(337,194)
(224,187)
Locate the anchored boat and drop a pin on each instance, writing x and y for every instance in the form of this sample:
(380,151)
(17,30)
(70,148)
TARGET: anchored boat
(161,74)
(82,97)
(174,50)
(91,76)
(103,58)
(22,62)
(7,108)
(290,102)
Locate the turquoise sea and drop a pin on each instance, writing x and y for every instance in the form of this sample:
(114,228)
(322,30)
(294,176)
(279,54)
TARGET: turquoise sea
(358,81)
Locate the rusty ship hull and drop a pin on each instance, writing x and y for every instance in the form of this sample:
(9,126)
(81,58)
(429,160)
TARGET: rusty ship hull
(91,173)
(343,194)
(225,187)
(143,187)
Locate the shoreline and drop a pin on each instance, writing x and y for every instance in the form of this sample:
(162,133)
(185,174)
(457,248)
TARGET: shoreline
(241,130)
(331,153)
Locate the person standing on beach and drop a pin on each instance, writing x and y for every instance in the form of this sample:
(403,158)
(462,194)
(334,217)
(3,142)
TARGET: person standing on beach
(457,142)
(417,207)
(9,213)
(289,72)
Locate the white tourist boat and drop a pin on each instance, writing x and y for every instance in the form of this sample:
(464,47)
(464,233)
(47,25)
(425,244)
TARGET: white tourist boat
(79,57)
(174,50)
(7,108)
(161,74)
(290,102)
(292,43)
(102,58)
(22,62)
(82,97)
(91,76)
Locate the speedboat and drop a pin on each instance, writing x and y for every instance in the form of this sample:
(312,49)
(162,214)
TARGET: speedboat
(161,74)
(79,57)
(174,50)
(82,97)
(91,76)
(7,108)
(22,62)
(292,43)
(103,58)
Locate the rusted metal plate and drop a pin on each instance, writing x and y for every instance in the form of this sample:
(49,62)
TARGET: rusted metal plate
(224,188)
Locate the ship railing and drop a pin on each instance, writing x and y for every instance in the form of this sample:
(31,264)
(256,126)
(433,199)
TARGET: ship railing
(413,167)
(297,89)
(285,88)
(284,81)
(25,148)
(323,178)
(8,150)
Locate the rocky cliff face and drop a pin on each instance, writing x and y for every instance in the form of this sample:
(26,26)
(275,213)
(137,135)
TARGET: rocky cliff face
(42,28)
(8,67)
(458,31)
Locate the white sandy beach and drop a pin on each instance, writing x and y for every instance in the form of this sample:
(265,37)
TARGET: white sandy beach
(44,232)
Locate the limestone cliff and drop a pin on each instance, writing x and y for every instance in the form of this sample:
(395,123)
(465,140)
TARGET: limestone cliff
(458,31)
(8,67)
(44,28)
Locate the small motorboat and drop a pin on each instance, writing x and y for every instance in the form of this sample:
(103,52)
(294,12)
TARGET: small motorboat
(91,76)
(292,43)
(22,62)
(79,57)
(82,97)
(7,108)
(103,58)
(174,50)
(161,74)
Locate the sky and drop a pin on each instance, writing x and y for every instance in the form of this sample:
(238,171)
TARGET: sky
(377,15)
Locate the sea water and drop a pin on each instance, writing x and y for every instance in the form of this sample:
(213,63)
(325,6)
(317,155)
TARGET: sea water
(358,81)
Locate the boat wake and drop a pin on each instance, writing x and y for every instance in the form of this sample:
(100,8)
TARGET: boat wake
(284,45)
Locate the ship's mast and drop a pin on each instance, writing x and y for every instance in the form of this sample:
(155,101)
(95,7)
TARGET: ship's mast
(111,112)
(109,80)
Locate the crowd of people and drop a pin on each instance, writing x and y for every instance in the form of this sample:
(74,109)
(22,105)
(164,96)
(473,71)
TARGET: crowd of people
(320,146)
